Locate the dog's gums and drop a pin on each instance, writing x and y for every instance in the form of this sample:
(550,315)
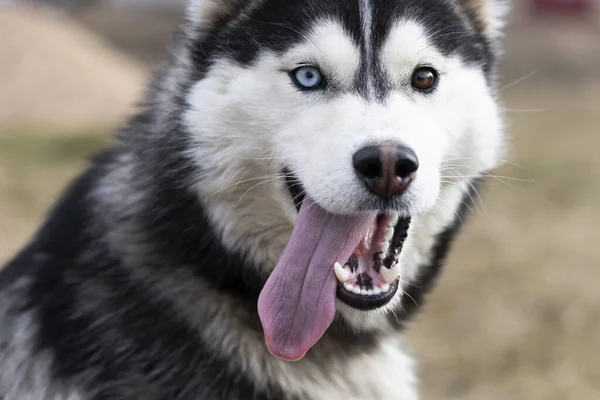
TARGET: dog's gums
(369,279)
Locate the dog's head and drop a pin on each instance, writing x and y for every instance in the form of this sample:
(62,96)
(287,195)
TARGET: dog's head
(345,120)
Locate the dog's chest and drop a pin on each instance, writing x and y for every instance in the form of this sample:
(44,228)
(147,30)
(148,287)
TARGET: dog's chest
(387,374)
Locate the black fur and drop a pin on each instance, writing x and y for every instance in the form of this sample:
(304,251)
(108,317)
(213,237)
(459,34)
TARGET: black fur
(113,334)
(244,38)
(108,331)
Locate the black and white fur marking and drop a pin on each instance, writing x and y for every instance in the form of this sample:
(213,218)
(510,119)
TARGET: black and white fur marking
(143,281)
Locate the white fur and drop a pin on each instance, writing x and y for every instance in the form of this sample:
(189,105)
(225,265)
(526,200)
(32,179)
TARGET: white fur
(252,122)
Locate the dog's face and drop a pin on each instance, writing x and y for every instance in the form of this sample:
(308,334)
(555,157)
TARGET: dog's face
(357,107)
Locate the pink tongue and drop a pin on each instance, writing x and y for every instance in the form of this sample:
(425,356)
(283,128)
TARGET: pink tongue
(297,304)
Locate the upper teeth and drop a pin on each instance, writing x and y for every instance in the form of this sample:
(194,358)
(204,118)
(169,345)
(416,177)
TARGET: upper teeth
(394,217)
(390,275)
(341,273)
(389,234)
(385,247)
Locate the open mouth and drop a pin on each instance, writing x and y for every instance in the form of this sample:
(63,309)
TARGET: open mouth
(350,257)
(369,278)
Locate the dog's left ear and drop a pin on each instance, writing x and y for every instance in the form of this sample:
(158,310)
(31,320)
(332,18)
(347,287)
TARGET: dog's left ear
(203,14)
(490,15)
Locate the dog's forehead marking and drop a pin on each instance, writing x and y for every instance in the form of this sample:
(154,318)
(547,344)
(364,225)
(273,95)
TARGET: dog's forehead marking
(367,68)
(366,16)
(362,43)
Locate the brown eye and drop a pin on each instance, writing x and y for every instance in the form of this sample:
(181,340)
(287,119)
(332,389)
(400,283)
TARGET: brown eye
(424,79)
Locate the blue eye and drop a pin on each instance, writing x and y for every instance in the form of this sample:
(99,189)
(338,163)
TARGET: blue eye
(307,78)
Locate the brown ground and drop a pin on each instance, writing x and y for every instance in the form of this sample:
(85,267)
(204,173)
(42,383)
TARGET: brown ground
(54,72)
(516,315)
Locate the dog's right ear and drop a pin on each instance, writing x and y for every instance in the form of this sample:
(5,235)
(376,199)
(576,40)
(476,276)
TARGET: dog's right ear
(202,14)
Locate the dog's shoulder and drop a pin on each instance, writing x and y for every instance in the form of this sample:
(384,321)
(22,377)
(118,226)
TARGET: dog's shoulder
(31,281)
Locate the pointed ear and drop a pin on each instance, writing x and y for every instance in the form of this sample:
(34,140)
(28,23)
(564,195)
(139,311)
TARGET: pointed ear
(490,15)
(204,13)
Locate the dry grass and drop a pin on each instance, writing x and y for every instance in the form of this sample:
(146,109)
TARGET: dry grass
(516,314)
(53,71)
(34,168)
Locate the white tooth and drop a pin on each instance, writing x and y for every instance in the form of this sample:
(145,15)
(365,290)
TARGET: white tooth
(363,292)
(389,234)
(390,275)
(376,291)
(348,287)
(393,219)
(370,292)
(385,288)
(356,290)
(385,247)
(341,274)
(381,256)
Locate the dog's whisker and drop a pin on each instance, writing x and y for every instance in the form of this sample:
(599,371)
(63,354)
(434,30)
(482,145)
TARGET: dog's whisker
(503,161)
(271,177)
(519,80)
(255,186)
(489,175)
(528,110)
(486,173)
(501,179)
(448,205)
(474,189)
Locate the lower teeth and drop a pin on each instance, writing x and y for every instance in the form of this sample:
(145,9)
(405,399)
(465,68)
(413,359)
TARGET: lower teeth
(366,292)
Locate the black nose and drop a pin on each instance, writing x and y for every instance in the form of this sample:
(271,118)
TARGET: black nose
(387,170)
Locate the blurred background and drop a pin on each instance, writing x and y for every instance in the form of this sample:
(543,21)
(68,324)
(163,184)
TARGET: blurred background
(516,314)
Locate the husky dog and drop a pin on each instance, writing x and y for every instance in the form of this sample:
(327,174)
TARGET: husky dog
(287,192)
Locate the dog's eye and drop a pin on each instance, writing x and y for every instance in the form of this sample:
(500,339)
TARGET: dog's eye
(307,78)
(425,79)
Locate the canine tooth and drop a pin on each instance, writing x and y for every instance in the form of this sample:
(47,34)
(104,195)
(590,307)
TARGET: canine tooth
(385,247)
(389,234)
(370,292)
(363,292)
(381,256)
(385,288)
(377,291)
(356,290)
(390,275)
(341,274)
(394,217)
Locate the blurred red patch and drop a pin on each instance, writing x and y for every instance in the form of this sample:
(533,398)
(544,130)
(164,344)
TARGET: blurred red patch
(562,6)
